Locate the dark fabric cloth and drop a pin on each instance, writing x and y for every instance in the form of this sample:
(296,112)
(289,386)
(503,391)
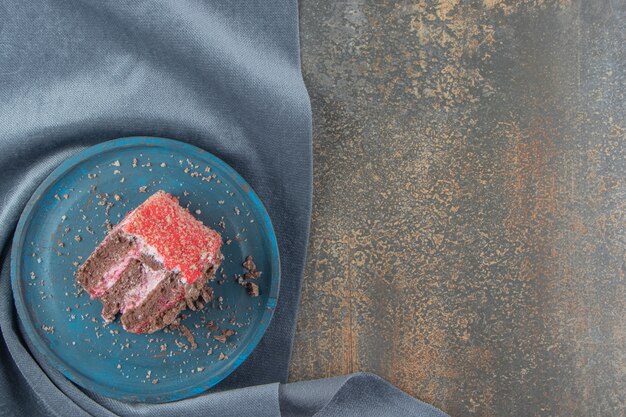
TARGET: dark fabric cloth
(224,76)
(358,395)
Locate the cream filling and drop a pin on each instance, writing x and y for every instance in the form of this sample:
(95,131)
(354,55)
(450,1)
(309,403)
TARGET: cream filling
(150,280)
(111,276)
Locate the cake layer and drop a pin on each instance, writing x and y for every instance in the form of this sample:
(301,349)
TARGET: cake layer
(183,242)
(102,269)
(113,300)
(149,312)
(160,306)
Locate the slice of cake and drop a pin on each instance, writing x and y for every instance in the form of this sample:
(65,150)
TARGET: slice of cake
(155,263)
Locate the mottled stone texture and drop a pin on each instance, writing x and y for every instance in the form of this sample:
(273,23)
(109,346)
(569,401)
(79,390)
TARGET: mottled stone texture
(469,225)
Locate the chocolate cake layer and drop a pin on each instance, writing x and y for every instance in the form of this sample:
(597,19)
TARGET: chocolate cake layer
(114,298)
(162,304)
(108,256)
(153,308)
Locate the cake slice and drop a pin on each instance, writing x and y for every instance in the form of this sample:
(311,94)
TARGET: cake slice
(155,263)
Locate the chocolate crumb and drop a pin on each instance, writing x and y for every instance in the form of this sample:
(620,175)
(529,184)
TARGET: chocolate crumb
(155,381)
(47,329)
(249,264)
(252,275)
(226,333)
(187,333)
(212,326)
(253,289)
(180,344)
(207,294)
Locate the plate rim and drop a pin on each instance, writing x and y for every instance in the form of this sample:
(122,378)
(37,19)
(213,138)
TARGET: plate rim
(27,325)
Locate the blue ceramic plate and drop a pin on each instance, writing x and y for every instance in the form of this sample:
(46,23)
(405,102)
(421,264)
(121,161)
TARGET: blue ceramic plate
(64,221)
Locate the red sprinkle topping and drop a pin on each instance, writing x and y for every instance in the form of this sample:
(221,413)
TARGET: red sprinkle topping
(180,238)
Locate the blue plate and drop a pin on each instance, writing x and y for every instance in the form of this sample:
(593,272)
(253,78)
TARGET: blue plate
(64,221)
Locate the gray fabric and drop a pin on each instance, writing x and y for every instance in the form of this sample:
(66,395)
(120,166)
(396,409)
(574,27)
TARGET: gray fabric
(224,76)
(358,395)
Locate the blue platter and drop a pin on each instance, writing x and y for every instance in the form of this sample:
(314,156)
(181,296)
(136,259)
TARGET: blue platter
(65,220)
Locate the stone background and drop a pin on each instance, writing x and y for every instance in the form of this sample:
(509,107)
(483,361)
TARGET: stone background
(469,224)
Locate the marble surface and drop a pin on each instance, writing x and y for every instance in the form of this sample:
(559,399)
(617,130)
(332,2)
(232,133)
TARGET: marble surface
(469,224)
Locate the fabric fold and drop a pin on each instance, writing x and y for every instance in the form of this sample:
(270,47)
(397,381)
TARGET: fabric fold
(359,395)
